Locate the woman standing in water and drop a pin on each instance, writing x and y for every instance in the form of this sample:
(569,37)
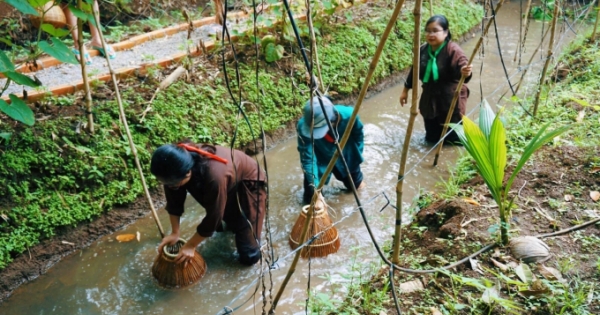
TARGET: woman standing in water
(227,183)
(442,62)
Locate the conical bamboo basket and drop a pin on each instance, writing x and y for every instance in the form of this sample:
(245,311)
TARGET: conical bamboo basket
(54,15)
(327,243)
(171,275)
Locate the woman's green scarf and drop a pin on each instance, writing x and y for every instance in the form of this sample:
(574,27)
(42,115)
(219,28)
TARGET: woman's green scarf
(432,63)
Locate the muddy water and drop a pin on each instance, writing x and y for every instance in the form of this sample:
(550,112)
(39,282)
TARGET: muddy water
(113,278)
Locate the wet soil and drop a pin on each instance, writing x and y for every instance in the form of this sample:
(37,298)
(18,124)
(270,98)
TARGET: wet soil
(558,183)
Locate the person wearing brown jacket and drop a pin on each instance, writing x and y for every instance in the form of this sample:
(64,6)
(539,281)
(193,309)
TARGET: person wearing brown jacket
(228,183)
(442,62)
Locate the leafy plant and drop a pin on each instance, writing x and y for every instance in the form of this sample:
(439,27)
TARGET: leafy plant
(17,109)
(271,49)
(486,143)
(543,12)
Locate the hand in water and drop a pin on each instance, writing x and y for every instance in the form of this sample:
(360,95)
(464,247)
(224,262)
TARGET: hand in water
(170,239)
(186,253)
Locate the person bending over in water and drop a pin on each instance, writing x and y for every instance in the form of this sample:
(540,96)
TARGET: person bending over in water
(227,183)
(316,145)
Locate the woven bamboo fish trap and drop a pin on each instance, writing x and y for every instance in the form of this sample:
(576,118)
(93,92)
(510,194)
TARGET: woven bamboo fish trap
(327,243)
(54,15)
(171,275)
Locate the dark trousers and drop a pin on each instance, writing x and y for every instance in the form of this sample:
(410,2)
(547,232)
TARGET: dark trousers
(434,128)
(247,227)
(356,175)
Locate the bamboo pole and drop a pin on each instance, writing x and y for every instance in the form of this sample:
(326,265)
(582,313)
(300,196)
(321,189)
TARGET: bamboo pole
(313,44)
(593,37)
(124,122)
(342,143)
(518,50)
(430,9)
(86,83)
(548,57)
(462,81)
(409,129)
(523,31)
(531,60)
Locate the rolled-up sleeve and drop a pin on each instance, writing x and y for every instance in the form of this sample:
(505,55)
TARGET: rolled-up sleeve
(175,200)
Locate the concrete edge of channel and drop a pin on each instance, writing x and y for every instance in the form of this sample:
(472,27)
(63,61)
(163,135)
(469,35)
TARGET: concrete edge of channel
(125,72)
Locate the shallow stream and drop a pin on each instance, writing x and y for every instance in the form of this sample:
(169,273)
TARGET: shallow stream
(114,278)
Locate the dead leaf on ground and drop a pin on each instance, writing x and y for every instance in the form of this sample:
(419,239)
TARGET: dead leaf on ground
(580,116)
(475,265)
(471,201)
(490,295)
(537,289)
(435,311)
(411,286)
(500,265)
(550,273)
(595,195)
(125,237)
(595,169)
(569,198)
(592,214)
(524,273)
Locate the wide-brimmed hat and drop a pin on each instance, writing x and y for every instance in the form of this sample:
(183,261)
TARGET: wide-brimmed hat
(315,111)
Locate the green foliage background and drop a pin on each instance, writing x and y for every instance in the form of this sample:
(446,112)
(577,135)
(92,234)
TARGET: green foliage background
(51,176)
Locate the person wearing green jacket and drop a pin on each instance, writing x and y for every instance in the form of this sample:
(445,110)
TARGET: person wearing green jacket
(316,145)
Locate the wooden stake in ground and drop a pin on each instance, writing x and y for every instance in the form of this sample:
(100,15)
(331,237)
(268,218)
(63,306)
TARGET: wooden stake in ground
(313,45)
(86,83)
(124,122)
(593,37)
(343,141)
(163,85)
(409,129)
(548,58)
(462,81)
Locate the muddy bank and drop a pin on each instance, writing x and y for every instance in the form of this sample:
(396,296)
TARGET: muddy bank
(449,230)
(68,240)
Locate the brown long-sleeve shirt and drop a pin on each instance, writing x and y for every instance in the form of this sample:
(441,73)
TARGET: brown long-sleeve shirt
(216,190)
(436,97)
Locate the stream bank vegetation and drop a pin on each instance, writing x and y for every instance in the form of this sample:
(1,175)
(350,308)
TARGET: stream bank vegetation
(56,175)
(557,189)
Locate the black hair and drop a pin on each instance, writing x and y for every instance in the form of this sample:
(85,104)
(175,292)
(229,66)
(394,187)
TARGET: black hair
(171,162)
(442,21)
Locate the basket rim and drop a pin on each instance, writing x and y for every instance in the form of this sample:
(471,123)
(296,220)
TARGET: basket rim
(181,240)
(313,244)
